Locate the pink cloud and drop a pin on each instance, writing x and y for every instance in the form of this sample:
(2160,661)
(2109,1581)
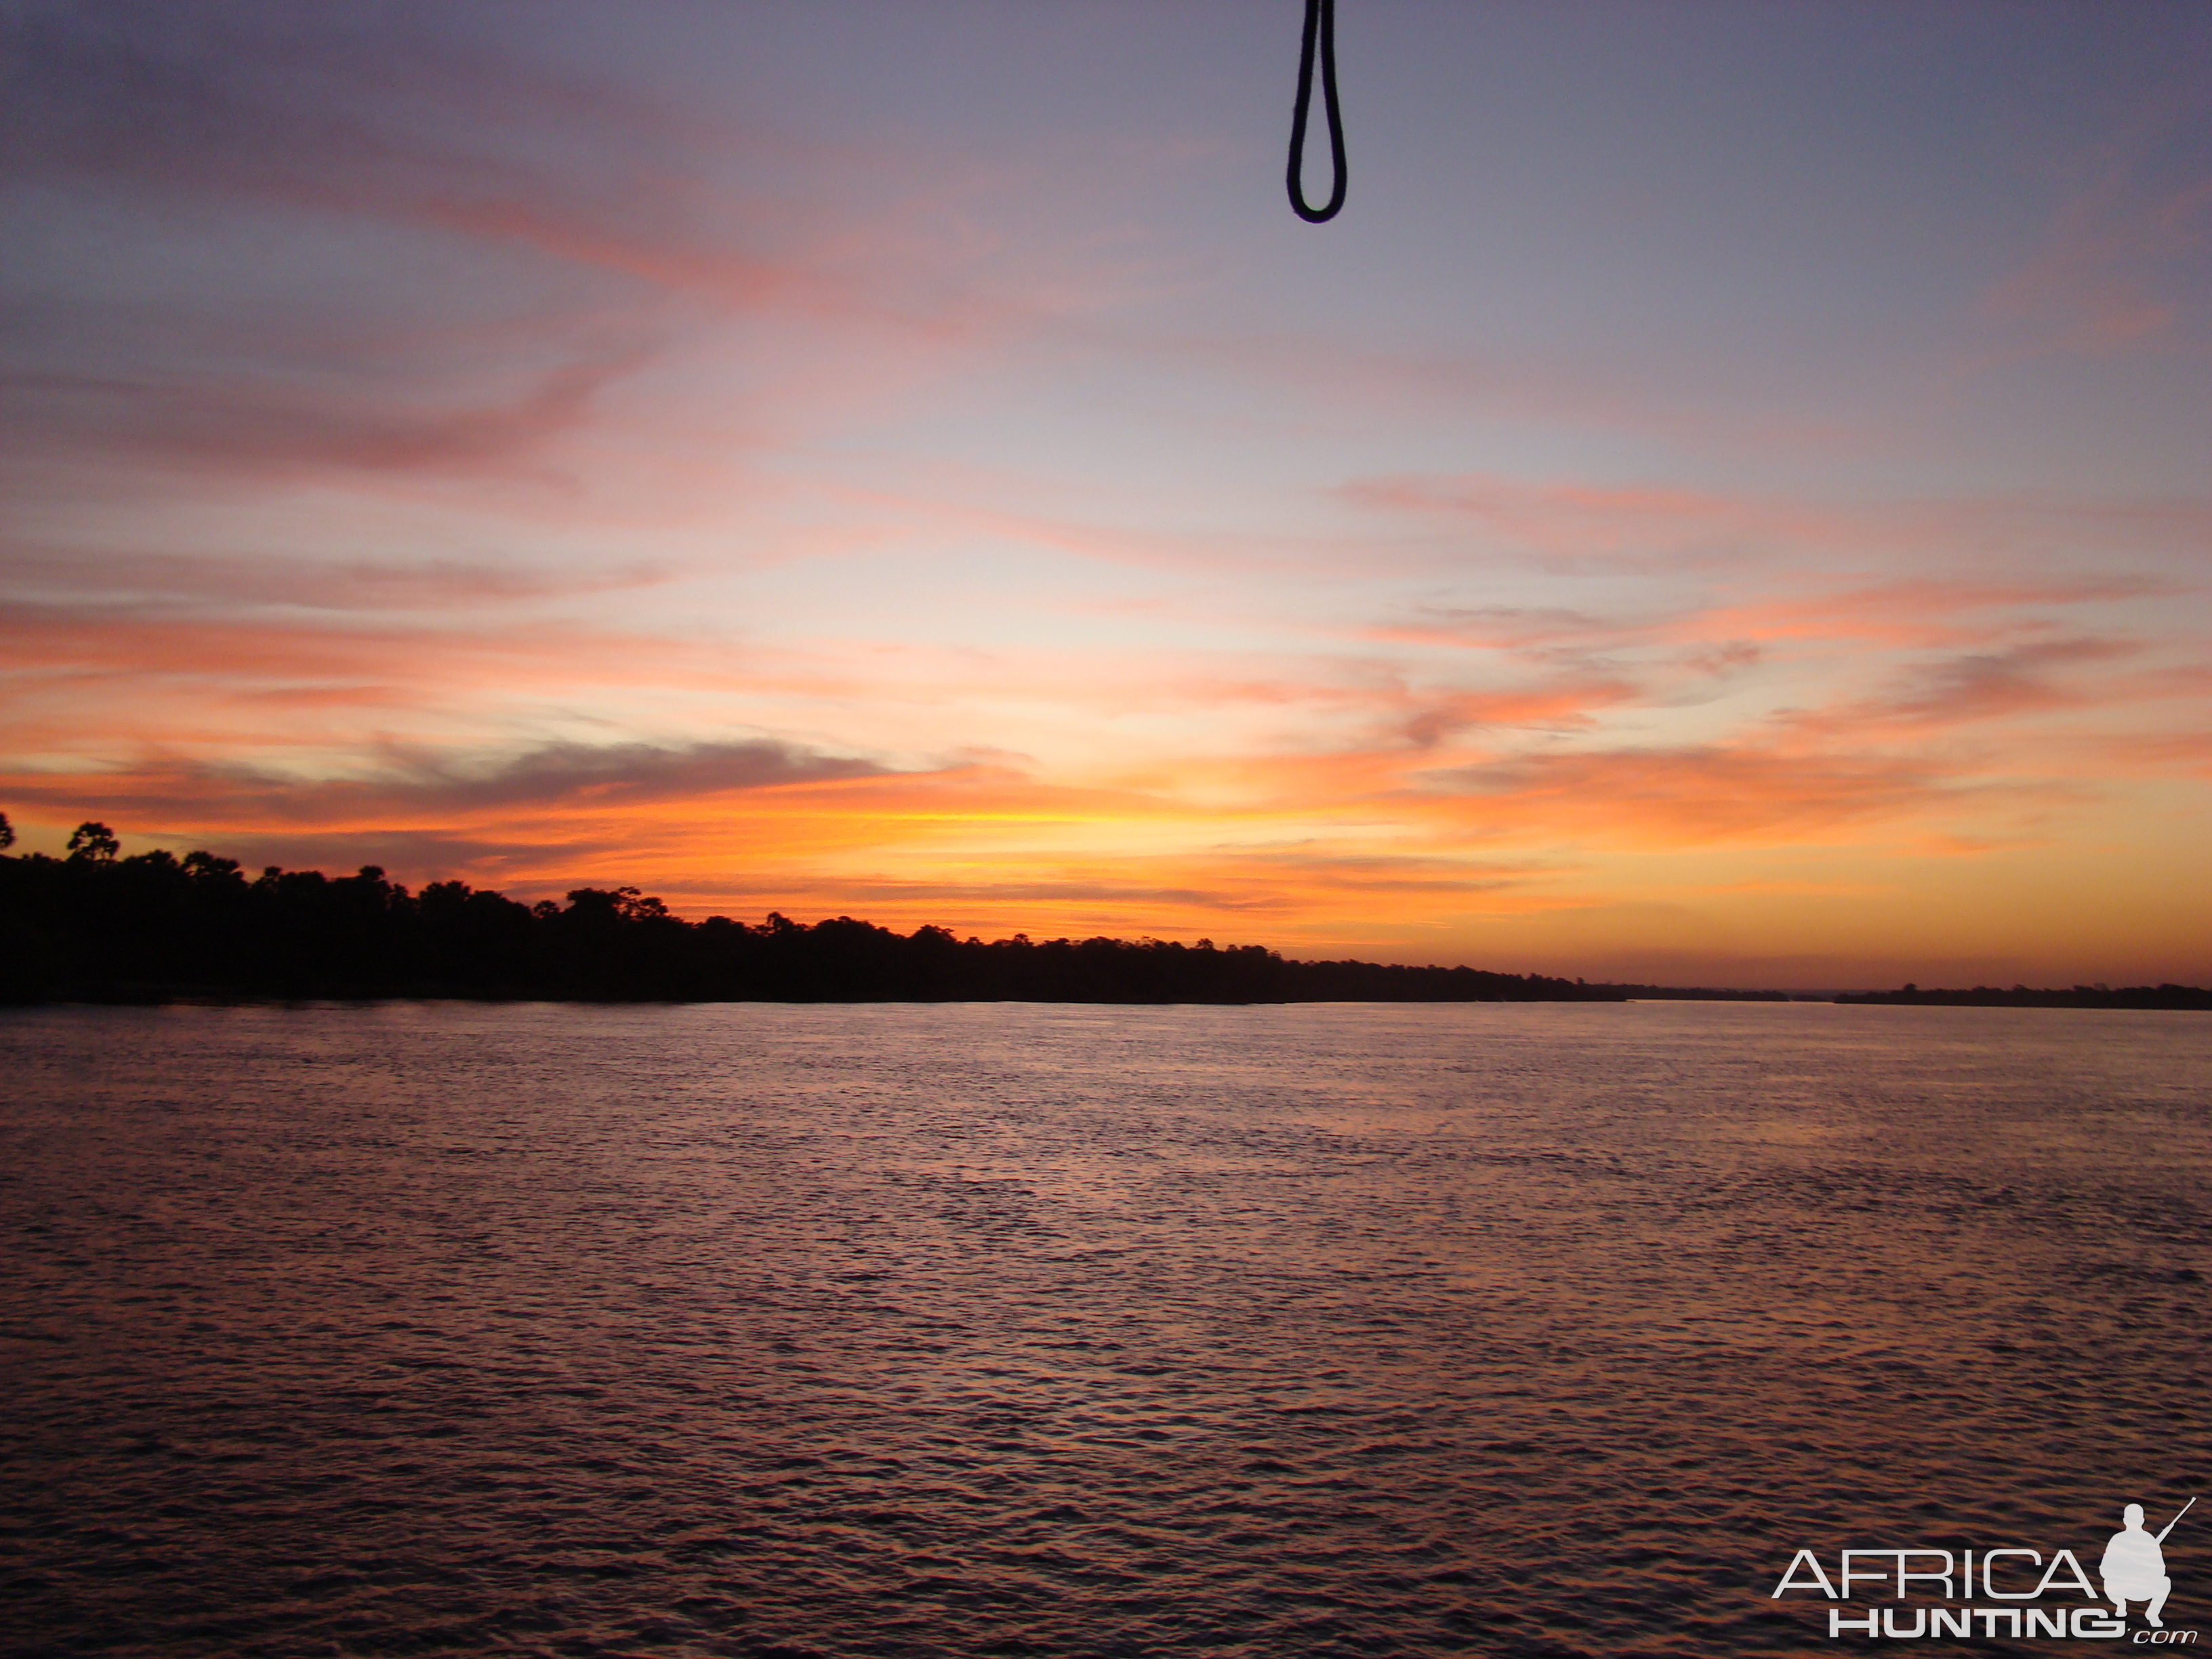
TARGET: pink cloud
(1715,795)
(1963,689)
(2105,278)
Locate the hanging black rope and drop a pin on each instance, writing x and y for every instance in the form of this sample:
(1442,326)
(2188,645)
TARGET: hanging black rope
(1321,30)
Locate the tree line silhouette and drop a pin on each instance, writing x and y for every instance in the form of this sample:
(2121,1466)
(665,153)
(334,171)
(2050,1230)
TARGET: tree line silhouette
(2023,996)
(96,927)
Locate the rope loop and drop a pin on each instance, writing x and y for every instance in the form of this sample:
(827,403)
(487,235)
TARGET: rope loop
(1321,31)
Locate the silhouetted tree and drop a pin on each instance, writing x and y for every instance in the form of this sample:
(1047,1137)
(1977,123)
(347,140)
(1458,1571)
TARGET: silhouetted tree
(7,833)
(207,867)
(92,843)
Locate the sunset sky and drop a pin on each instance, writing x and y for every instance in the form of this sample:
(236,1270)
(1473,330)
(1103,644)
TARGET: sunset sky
(1728,501)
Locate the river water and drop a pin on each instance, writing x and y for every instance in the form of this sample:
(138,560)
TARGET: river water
(1049,1330)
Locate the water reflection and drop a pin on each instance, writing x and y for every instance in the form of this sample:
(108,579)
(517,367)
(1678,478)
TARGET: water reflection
(1080,1330)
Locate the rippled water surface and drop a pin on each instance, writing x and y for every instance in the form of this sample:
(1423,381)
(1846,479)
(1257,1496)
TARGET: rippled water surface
(998,1329)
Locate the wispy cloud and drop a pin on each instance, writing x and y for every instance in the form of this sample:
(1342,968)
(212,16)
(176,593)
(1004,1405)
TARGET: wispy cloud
(411,782)
(273,425)
(1980,686)
(1718,795)
(2107,275)
(383,114)
(117,581)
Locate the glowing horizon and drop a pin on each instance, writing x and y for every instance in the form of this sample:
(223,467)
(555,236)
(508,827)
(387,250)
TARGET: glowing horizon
(1727,502)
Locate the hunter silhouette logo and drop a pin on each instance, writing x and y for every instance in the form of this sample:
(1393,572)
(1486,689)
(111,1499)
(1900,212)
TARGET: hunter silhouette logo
(2010,1591)
(2134,1567)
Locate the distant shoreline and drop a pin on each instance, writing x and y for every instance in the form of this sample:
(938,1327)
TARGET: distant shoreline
(2144,999)
(2188,997)
(97,928)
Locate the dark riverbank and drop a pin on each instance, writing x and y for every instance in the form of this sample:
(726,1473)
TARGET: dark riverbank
(155,928)
(2022,996)
(95,927)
